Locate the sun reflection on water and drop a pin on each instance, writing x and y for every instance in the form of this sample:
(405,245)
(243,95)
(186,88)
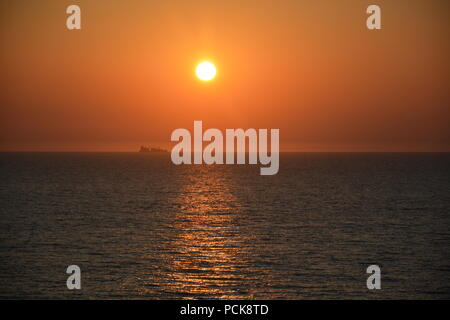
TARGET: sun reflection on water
(210,252)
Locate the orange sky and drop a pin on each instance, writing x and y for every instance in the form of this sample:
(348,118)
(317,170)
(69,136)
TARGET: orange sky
(310,68)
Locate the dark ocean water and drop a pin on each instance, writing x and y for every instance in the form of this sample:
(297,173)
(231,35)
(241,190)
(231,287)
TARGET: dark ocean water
(140,227)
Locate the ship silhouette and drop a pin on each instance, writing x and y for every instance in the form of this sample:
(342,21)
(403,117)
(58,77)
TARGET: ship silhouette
(145,149)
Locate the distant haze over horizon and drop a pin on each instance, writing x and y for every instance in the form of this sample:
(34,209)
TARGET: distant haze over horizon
(310,68)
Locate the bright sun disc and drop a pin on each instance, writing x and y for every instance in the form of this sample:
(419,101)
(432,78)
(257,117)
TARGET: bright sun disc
(205,71)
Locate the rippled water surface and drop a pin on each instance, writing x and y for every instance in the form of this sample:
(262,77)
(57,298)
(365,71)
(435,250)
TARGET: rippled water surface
(140,227)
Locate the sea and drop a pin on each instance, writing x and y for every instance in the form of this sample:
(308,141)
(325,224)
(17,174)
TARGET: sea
(140,227)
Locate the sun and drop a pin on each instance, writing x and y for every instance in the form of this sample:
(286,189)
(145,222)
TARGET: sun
(206,71)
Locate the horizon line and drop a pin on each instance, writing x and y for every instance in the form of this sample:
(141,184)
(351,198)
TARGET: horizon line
(168,152)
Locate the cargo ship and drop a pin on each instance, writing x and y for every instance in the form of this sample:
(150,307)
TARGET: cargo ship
(145,149)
